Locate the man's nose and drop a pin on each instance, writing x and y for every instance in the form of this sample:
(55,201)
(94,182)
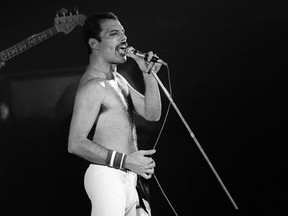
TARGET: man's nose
(123,37)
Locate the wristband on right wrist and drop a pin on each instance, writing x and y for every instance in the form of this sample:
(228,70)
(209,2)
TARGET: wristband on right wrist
(116,159)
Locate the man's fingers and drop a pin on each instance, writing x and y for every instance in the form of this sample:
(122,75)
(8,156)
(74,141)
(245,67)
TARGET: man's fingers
(156,67)
(146,176)
(149,152)
(149,171)
(149,67)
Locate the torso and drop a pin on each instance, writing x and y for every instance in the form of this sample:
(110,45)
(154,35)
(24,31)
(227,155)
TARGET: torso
(115,128)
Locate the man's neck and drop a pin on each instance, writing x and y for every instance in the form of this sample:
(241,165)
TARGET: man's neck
(103,68)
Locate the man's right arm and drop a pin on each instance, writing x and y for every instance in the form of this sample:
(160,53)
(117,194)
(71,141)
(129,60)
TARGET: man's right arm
(86,108)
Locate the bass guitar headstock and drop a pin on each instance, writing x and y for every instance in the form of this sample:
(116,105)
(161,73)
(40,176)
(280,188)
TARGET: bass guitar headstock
(66,21)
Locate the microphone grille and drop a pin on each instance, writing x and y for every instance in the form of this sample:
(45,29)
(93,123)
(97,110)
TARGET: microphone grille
(129,49)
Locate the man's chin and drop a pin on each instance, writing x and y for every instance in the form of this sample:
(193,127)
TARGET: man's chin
(122,60)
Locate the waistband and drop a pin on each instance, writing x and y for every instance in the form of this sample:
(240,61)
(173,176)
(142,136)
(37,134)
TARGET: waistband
(100,166)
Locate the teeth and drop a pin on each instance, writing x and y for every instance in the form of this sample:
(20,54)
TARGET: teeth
(121,49)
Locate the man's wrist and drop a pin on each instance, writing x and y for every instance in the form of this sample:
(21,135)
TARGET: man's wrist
(116,159)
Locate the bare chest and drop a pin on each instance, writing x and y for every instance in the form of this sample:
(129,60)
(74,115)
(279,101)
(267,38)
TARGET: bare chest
(118,97)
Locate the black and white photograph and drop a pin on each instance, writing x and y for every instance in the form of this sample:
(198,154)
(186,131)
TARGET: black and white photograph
(140,108)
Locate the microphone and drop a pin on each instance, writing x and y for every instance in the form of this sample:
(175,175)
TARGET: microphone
(154,59)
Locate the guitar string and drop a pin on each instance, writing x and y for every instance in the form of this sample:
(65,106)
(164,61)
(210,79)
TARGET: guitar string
(29,42)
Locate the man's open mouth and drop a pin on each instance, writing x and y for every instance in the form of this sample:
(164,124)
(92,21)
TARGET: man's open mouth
(121,49)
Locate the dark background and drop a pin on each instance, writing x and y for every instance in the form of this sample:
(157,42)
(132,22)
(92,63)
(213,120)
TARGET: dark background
(228,65)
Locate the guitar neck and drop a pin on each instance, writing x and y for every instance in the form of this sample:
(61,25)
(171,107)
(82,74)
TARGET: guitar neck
(24,45)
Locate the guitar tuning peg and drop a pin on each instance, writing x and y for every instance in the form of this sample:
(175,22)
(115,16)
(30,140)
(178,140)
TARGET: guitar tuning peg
(63,11)
(76,9)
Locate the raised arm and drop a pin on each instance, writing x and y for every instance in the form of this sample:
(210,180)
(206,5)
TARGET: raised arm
(149,105)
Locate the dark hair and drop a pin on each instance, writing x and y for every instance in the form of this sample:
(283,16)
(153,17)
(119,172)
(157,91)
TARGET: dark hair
(92,27)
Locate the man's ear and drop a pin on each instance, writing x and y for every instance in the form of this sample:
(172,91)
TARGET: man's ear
(93,43)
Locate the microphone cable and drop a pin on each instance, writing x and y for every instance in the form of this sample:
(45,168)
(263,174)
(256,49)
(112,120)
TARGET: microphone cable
(195,140)
(160,132)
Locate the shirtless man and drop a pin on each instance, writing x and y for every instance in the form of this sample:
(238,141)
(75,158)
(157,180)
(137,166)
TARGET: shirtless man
(106,99)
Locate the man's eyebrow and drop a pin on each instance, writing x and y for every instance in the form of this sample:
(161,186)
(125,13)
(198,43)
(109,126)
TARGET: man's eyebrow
(113,30)
(116,30)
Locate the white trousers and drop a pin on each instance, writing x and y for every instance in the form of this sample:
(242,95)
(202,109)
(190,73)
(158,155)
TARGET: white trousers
(112,192)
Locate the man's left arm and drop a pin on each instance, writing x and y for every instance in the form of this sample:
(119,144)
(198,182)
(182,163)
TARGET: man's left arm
(149,105)
(152,100)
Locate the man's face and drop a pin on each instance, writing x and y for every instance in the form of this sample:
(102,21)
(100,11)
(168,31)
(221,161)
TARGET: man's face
(113,41)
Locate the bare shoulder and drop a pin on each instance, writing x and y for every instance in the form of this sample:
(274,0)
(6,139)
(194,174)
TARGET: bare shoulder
(120,77)
(91,87)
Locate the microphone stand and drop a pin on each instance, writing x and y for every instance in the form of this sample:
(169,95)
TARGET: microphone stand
(194,138)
